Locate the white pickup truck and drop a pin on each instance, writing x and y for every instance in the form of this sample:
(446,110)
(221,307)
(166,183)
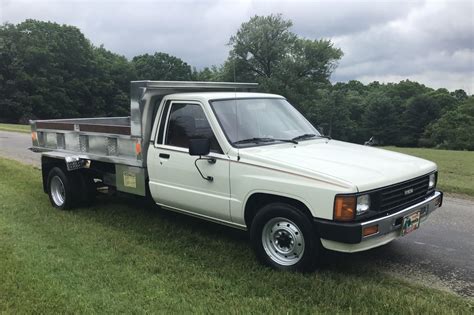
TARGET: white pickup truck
(248,160)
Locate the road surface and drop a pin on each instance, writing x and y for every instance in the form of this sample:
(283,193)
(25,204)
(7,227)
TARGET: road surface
(439,254)
(14,145)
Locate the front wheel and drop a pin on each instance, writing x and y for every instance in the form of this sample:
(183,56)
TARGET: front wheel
(283,238)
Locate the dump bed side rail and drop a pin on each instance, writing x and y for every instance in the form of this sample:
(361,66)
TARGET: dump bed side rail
(102,139)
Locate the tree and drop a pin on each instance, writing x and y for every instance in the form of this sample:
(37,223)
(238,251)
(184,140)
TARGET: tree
(161,66)
(262,43)
(420,111)
(265,49)
(13,98)
(454,130)
(52,64)
(332,111)
(213,73)
(382,118)
(112,77)
(459,94)
(406,89)
(52,71)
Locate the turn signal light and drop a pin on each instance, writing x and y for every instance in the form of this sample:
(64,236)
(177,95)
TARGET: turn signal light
(34,136)
(369,230)
(344,208)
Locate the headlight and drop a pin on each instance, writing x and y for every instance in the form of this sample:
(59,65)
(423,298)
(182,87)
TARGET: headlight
(346,207)
(432,181)
(363,204)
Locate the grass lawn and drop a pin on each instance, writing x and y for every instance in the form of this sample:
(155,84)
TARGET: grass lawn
(118,257)
(17,128)
(456,168)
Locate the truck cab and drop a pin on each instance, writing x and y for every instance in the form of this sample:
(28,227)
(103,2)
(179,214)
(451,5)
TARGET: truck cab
(247,160)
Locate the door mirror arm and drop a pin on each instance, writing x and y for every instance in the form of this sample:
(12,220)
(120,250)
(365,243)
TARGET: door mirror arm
(209,160)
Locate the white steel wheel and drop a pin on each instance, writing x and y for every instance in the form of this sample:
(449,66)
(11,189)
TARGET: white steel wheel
(58,192)
(283,238)
(283,241)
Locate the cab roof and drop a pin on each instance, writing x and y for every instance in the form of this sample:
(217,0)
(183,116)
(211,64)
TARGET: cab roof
(207,96)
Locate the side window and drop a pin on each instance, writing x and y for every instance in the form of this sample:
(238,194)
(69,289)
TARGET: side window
(161,130)
(188,121)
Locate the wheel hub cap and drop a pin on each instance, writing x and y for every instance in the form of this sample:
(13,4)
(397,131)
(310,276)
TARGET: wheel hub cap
(283,241)
(58,192)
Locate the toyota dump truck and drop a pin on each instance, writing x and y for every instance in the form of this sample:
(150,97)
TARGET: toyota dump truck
(220,152)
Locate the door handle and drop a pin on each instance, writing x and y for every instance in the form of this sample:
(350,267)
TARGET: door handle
(164,156)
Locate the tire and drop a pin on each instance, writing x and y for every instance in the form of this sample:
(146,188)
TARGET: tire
(284,238)
(63,189)
(88,189)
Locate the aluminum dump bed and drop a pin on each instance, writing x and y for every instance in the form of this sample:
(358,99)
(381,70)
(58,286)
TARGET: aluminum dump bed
(118,140)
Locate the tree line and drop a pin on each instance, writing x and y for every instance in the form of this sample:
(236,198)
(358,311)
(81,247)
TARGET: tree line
(49,70)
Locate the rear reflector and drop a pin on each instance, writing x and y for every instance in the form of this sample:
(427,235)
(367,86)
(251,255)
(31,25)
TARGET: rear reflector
(138,147)
(369,230)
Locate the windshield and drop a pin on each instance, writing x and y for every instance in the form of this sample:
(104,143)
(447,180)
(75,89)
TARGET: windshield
(248,122)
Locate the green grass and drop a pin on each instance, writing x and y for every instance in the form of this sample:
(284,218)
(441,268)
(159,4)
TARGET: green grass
(14,127)
(456,168)
(118,256)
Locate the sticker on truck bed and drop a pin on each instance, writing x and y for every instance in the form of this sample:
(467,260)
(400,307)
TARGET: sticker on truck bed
(129,180)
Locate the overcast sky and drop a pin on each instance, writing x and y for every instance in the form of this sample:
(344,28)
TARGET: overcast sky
(428,41)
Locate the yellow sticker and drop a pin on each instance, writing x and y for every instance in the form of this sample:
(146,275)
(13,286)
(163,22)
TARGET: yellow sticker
(129,180)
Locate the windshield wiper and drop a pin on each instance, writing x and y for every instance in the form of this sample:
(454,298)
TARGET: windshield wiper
(258,140)
(304,136)
(310,135)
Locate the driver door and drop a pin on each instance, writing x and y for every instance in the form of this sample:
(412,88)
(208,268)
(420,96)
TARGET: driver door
(173,177)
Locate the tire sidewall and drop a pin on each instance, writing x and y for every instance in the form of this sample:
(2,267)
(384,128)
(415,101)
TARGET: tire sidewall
(311,252)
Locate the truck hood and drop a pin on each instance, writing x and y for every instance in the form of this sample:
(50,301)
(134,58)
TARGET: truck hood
(344,163)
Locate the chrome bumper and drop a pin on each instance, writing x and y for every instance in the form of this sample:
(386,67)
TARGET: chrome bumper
(353,232)
(393,222)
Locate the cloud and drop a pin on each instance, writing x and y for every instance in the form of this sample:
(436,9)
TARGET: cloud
(428,41)
(433,44)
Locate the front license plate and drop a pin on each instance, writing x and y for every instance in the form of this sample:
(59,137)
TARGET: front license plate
(410,223)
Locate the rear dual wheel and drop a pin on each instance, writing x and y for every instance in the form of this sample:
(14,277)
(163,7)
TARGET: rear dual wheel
(284,238)
(68,190)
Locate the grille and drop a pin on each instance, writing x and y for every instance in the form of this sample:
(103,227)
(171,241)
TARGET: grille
(402,195)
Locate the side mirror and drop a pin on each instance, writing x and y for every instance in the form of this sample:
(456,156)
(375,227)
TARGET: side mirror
(199,147)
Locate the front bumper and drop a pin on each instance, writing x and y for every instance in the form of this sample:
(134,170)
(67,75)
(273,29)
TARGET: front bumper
(348,237)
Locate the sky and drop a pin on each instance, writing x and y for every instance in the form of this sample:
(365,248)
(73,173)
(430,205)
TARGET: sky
(429,41)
